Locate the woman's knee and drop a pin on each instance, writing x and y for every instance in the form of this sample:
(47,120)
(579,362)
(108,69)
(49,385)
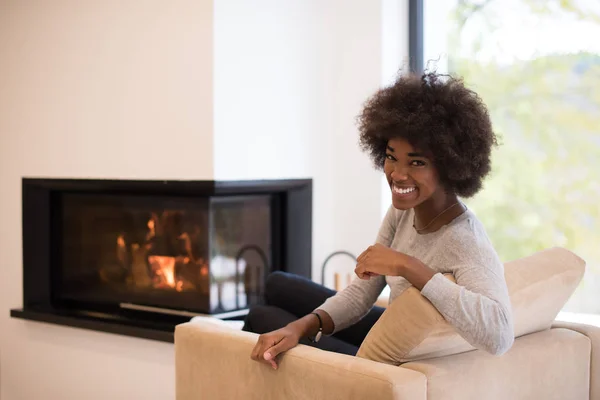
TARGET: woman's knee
(277,279)
(254,318)
(263,318)
(282,289)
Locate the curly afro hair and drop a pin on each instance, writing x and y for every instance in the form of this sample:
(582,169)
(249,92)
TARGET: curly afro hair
(438,115)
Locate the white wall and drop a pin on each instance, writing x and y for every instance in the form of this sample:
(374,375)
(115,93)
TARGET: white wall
(90,89)
(106,89)
(266,88)
(290,78)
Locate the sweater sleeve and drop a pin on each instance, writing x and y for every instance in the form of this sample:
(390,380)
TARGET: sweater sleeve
(350,305)
(477,305)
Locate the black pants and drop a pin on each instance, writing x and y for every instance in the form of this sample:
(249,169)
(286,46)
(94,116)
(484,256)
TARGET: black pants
(289,297)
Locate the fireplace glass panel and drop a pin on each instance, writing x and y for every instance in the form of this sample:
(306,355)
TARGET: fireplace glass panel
(240,250)
(197,254)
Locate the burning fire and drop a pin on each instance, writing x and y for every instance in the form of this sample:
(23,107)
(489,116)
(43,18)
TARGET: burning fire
(164,268)
(148,265)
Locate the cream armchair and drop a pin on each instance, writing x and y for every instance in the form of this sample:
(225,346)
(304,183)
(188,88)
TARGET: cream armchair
(213,362)
(547,361)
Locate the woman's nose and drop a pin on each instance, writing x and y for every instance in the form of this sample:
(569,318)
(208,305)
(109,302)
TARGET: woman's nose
(399,174)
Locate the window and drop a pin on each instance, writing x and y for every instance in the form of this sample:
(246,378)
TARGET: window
(536,64)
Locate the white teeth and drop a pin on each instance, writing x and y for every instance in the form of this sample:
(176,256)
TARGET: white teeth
(403,190)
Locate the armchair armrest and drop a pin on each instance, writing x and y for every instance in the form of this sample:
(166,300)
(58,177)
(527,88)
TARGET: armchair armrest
(213,361)
(593,333)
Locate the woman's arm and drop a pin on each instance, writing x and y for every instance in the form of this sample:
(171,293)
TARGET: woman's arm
(351,304)
(354,302)
(271,344)
(338,312)
(308,326)
(477,305)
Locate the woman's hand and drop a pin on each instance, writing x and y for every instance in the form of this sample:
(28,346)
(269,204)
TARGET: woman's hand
(379,260)
(271,344)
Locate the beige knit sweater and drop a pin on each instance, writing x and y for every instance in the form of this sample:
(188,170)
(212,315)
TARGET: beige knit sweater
(477,305)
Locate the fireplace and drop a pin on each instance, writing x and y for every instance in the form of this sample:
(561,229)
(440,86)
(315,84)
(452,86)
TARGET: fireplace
(139,257)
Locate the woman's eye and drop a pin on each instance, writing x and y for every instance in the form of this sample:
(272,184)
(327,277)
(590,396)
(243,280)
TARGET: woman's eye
(417,163)
(390,157)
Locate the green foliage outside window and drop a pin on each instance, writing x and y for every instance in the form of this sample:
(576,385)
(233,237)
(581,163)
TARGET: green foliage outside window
(545,187)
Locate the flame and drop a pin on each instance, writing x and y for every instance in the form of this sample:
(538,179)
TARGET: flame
(165,267)
(162,268)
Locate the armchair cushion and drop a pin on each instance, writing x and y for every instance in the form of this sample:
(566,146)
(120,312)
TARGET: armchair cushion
(593,334)
(553,364)
(411,328)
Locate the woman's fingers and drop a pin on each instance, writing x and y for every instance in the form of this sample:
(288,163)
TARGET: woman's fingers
(257,350)
(363,254)
(270,345)
(271,354)
(280,347)
(361,272)
(263,345)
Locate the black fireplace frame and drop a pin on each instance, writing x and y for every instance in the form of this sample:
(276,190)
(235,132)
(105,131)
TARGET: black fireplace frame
(292,243)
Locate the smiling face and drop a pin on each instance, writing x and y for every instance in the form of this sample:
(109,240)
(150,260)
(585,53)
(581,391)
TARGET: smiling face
(412,176)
